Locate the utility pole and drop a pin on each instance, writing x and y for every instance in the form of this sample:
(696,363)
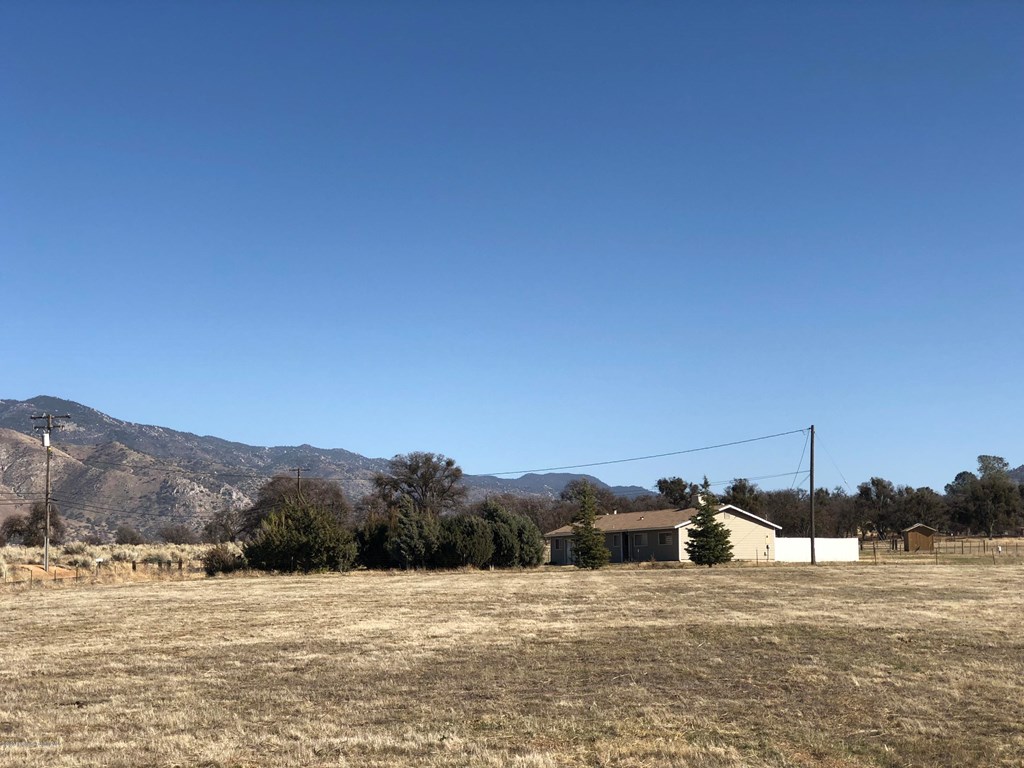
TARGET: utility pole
(46,428)
(298,479)
(813,560)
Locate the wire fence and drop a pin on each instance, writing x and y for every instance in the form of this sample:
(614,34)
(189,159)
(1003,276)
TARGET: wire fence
(945,548)
(21,576)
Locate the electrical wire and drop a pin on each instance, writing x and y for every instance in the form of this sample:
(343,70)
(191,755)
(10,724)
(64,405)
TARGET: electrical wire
(834,464)
(645,458)
(801,462)
(654,489)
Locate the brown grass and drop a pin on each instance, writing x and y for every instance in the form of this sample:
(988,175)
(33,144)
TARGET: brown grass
(783,666)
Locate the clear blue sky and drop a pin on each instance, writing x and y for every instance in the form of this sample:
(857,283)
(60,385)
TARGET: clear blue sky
(525,234)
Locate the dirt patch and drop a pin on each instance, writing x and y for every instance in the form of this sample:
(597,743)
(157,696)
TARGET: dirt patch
(21,571)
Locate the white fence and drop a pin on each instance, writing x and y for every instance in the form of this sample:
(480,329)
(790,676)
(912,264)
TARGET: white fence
(825,550)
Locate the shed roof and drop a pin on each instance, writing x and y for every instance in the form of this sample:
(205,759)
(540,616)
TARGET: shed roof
(920,527)
(657,519)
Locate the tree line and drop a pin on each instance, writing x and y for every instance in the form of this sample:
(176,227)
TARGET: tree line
(418,516)
(988,502)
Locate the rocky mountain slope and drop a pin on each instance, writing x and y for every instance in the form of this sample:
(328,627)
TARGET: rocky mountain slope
(106,472)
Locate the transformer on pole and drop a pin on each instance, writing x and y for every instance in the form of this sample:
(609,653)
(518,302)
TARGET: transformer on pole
(46,428)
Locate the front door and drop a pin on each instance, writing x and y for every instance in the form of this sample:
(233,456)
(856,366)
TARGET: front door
(568,552)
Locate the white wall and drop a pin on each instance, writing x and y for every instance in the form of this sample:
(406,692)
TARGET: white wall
(825,550)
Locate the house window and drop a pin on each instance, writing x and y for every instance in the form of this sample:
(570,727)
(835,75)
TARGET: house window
(558,543)
(615,539)
(639,539)
(665,538)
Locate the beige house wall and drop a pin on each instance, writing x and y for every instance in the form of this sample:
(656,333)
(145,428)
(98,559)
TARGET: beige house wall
(750,540)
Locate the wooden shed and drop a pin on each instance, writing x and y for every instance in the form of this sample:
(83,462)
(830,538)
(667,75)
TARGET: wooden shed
(919,538)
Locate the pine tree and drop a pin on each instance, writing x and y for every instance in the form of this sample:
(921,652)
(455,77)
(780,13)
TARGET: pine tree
(709,539)
(301,537)
(414,540)
(589,550)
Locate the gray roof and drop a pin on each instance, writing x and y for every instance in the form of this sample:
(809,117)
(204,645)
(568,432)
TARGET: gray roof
(658,519)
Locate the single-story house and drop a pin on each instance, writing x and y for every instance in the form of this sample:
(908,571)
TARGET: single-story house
(661,535)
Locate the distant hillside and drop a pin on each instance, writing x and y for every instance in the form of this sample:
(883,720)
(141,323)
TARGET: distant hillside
(1018,474)
(105,472)
(547,484)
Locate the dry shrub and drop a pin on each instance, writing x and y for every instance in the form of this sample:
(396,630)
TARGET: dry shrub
(75,548)
(17,555)
(126,553)
(157,555)
(223,558)
(79,554)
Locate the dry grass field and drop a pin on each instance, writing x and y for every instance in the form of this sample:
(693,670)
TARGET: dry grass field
(913,665)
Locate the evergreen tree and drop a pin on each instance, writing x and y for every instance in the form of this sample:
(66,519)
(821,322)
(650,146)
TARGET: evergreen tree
(414,539)
(517,540)
(372,541)
(531,542)
(301,537)
(709,539)
(506,543)
(589,550)
(464,540)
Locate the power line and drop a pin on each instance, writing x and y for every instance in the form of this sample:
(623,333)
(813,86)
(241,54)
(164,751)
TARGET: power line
(834,464)
(801,462)
(645,458)
(654,489)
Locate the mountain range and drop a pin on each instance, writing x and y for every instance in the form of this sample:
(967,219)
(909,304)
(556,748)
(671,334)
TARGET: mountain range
(106,472)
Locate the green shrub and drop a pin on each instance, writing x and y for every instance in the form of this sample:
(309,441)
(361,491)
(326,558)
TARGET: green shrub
(414,540)
(464,540)
(372,541)
(301,537)
(517,540)
(222,558)
(531,542)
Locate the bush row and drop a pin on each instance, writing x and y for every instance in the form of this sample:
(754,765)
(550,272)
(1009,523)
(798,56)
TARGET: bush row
(497,538)
(308,538)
